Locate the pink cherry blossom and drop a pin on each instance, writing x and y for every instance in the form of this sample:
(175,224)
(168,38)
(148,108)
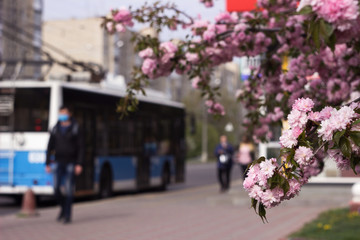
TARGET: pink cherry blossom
(226,17)
(303,104)
(146,53)
(315,116)
(148,67)
(295,187)
(124,17)
(192,57)
(341,162)
(325,113)
(210,33)
(248,183)
(207,3)
(120,27)
(271,198)
(303,156)
(267,167)
(326,130)
(256,192)
(341,13)
(110,27)
(199,27)
(195,82)
(338,120)
(168,47)
(297,118)
(296,131)
(287,139)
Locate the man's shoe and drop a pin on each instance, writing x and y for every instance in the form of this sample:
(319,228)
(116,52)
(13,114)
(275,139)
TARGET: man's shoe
(60,218)
(67,221)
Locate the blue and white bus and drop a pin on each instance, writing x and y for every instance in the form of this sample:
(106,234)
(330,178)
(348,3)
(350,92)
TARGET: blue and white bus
(145,149)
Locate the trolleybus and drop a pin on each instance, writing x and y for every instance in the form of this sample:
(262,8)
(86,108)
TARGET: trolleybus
(145,149)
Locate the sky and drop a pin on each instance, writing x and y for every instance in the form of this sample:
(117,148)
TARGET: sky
(65,9)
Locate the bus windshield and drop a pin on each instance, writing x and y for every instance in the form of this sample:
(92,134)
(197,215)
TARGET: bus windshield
(24,109)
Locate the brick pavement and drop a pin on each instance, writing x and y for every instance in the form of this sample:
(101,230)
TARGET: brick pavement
(192,214)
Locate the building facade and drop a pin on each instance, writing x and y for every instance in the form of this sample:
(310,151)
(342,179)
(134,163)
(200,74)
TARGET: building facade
(20,36)
(85,40)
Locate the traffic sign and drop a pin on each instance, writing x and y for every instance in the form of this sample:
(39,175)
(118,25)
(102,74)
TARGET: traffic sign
(240,5)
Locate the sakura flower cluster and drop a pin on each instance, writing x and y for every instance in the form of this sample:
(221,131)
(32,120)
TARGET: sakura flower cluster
(215,107)
(121,18)
(270,184)
(207,3)
(338,120)
(341,13)
(297,120)
(155,66)
(258,187)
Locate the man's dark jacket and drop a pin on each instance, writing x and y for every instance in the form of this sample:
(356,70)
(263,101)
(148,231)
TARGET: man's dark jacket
(228,150)
(67,147)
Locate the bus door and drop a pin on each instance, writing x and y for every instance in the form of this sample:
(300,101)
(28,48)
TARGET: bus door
(23,137)
(6,125)
(144,159)
(87,119)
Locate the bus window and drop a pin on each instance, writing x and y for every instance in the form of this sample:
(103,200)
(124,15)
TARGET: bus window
(30,113)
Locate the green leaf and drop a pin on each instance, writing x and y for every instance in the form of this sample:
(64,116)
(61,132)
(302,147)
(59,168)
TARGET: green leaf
(331,42)
(262,212)
(253,203)
(284,184)
(294,163)
(345,147)
(315,34)
(326,30)
(326,147)
(302,136)
(354,161)
(274,181)
(355,136)
(261,159)
(290,157)
(337,136)
(305,10)
(356,122)
(305,143)
(285,151)
(296,177)
(131,108)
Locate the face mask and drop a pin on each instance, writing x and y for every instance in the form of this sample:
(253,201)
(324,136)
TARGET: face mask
(63,117)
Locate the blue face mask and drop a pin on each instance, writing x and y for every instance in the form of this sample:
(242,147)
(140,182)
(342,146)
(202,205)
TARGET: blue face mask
(63,117)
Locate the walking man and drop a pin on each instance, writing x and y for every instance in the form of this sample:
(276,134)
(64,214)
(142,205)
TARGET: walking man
(223,153)
(66,144)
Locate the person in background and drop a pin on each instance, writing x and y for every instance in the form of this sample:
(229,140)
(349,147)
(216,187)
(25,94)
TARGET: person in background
(246,154)
(223,153)
(66,144)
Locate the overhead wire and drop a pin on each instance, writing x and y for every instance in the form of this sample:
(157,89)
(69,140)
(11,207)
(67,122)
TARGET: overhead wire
(85,66)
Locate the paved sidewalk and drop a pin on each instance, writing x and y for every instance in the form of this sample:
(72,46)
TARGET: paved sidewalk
(200,213)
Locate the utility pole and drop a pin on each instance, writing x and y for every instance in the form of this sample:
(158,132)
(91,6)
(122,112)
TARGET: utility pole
(204,138)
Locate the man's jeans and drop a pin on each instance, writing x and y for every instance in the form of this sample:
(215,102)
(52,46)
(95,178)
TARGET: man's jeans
(64,174)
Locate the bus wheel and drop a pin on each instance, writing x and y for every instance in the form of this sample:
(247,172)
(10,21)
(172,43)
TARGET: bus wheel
(105,182)
(165,178)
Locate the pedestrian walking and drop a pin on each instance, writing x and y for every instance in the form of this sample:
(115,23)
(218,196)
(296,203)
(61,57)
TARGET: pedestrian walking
(66,145)
(246,154)
(223,153)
